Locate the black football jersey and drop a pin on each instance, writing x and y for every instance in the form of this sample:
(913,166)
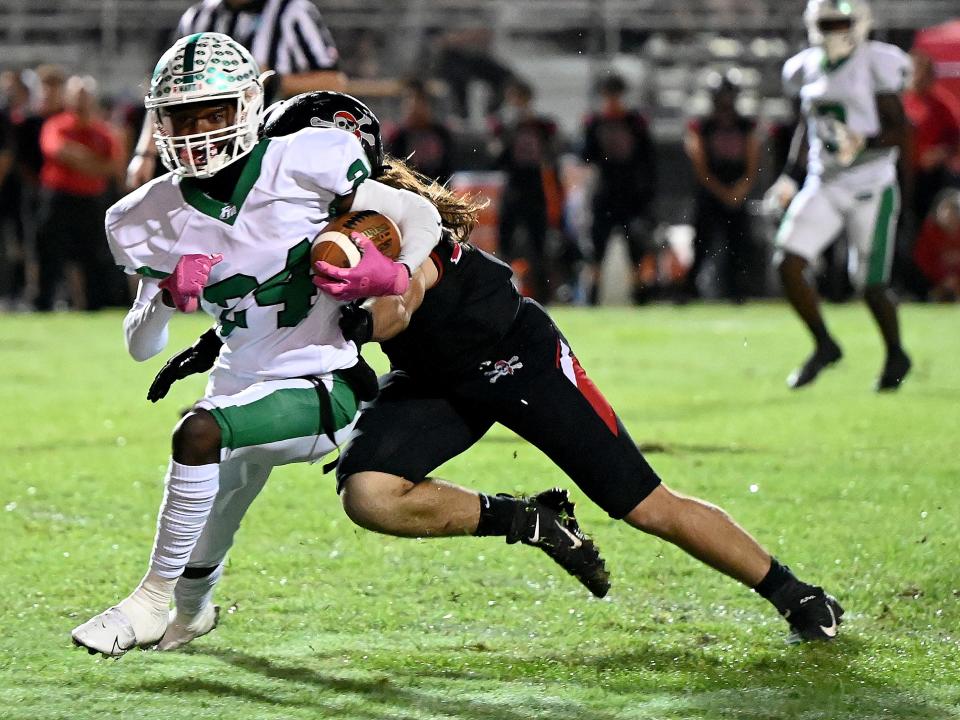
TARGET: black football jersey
(470,308)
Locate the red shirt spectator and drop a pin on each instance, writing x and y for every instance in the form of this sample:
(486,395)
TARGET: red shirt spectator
(935,117)
(71,169)
(937,249)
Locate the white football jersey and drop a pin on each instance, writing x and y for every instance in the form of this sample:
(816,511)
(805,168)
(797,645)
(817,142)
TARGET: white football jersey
(274,322)
(846,92)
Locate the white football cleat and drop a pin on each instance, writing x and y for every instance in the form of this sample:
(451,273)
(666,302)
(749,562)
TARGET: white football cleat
(183,630)
(109,633)
(112,632)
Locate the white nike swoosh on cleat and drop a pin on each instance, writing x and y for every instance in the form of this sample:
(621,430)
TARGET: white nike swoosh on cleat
(535,538)
(577,542)
(830,630)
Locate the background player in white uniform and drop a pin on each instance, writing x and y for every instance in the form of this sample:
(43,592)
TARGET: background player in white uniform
(849,89)
(230,230)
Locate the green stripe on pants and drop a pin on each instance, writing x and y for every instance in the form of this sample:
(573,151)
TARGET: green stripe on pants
(283,415)
(877,271)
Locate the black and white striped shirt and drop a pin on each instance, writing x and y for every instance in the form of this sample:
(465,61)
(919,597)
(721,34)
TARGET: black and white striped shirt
(287,36)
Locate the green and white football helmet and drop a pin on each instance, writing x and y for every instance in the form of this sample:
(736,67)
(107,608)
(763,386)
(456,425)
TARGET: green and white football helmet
(837,43)
(200,68)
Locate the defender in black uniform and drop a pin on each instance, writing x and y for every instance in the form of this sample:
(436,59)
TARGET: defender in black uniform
(467,351)
(475,353)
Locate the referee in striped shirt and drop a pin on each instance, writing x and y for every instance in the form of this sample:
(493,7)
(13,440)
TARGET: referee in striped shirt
(286,36)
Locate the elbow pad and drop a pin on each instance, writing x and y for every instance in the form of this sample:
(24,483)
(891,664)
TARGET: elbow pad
(145,326)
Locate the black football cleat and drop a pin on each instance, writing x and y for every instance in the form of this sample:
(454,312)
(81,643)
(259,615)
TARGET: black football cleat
(546,521)
(812,614)
(823,357)
(895,369)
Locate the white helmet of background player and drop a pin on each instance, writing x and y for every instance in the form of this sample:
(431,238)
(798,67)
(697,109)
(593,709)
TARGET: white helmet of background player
(201,68)
(838,26)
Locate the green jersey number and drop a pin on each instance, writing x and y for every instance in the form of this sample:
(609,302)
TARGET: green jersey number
(235,286)
(830,110)
(291,287)
(357,172)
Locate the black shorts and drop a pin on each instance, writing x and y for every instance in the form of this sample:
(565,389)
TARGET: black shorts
(532,384)
(635,224)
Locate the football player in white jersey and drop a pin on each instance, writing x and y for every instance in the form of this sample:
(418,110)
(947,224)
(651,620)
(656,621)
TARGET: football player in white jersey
(849,90)
(229,230)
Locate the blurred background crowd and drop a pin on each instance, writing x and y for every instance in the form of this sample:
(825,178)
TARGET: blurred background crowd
(592,125)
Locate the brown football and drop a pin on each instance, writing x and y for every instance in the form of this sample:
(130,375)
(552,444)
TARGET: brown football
(333,244)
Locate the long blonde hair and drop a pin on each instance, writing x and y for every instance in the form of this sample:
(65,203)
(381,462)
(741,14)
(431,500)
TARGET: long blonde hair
(459,213)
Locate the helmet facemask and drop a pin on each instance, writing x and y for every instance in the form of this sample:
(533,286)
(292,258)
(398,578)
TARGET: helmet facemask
(837,26)
(203,70)
(201,155)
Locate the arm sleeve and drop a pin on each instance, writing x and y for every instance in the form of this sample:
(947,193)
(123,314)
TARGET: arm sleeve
(345,170)
(793,74)
(145,326)
(417,218)
(890,68)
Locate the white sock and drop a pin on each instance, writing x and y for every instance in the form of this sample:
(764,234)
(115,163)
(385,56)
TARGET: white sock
(189,496)
(193,594)
(147,607)
(187,500)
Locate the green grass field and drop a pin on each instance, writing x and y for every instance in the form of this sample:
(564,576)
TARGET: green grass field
(856,491)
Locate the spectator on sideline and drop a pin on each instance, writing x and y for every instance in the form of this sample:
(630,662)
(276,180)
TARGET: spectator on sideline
(724,150)
(80,155)
(420,139)
(14,107)
(286,36)
(49,101)
(532,197)
(937,249)
(935,117)
(618,144)
(28,160)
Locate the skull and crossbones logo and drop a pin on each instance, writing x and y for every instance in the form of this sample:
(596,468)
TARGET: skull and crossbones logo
(501,368)
(345,120)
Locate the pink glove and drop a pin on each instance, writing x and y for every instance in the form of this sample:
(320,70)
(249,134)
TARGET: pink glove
(374,275)
(185,283)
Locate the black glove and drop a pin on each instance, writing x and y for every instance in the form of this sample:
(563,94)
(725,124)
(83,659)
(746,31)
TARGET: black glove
(197,358)
(356,323)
